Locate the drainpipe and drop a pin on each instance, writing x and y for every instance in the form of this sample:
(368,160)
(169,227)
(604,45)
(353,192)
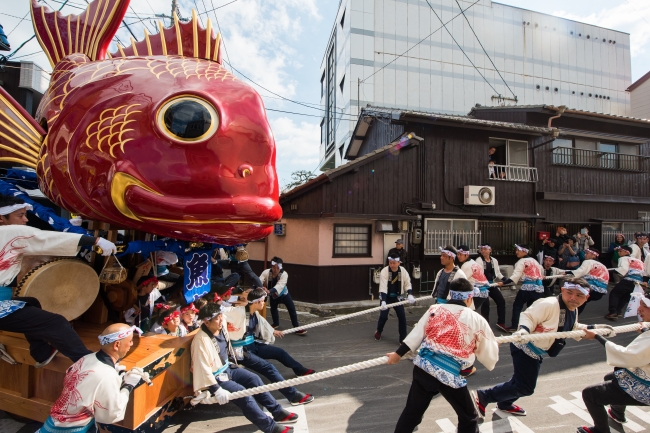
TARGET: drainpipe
(559,111)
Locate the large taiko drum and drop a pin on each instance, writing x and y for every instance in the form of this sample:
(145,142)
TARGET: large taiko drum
(66,286)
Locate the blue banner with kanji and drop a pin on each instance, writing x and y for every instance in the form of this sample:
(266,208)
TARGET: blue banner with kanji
(198,269)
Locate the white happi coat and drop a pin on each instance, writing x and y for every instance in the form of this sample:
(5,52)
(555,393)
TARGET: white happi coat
(17,241)
(205,360)
(595,273)
(476,276)
(91,389)
(634,363)
(543,317)
(405,280)
(530,272)
(238,320)
(457,332)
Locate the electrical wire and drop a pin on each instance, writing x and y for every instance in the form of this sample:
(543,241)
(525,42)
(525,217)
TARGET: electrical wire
(197,9)
(486,53)
(222,38)
(218,7)
(422,40)
(461,48)
(16,26)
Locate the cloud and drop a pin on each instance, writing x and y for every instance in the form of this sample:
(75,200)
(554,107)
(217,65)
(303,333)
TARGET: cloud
(298,146)
(631,16)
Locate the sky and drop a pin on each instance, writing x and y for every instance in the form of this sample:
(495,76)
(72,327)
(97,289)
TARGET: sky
(279,44)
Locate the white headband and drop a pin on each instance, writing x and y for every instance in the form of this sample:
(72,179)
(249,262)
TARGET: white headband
(485,247)
(595,253)
(449,253)
(570,286)
(116,336)
(460,250)
(521,249)
(460,296)
(394,259)
(274,263)
(255,301)
(6,210)
(214,315)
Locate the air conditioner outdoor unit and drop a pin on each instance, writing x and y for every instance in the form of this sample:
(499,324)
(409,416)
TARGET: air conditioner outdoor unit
(479,195)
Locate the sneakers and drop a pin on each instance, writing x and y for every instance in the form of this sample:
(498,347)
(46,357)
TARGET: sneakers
(286,417)
(282,429)
(612,316)
(615,417)
(301,332)
(468,372)
(377,335)
(4,355)
(515,410)
(308,372)
(47,361)
(479,404)
(502,327)
(301,398)
(585,429)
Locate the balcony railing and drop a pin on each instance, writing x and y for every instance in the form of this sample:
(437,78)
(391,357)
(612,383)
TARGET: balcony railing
(598,159)
(512,173)
(440,238)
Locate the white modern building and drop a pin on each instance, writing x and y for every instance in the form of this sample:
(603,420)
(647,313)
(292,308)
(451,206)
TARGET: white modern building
(398,54)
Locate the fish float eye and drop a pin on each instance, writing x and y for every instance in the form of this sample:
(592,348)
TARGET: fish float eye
(188,119)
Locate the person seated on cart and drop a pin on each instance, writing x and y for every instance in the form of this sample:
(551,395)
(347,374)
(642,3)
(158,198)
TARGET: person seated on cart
(47,333)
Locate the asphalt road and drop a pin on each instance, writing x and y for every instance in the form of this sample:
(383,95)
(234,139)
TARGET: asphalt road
(372,400)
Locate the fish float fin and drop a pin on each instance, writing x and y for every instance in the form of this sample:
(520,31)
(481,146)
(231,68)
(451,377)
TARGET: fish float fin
(21,137)
(89,33)
(189,39)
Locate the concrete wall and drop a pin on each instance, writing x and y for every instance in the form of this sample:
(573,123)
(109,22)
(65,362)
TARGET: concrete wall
(310,242)
(640,101)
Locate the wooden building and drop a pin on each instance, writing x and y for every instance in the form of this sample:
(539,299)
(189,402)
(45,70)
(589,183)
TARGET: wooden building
(425,177)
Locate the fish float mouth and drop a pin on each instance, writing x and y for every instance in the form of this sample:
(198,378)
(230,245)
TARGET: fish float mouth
(122,181)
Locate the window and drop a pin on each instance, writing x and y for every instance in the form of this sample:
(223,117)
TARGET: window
(503,235)
(645,216)
(322,131)
(627,229)
(510,152)
(342,19)
(597,154)
(342,84)
(352,240)
(331,95)
(322,85)
(441,232)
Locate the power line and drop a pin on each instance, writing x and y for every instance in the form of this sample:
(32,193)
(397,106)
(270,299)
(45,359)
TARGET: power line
(461,48)
(219,27)
(218,7)
(21,20)
(422,40)
(308,115)
(486,53)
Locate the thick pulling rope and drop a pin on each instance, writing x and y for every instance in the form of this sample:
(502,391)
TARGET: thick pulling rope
(383,360)
(349,316)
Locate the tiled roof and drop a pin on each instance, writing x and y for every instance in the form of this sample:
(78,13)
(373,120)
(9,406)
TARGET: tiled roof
(568,111)
(460,119)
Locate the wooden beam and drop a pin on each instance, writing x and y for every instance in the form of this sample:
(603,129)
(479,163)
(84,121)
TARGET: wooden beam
(592,198)
(26,381)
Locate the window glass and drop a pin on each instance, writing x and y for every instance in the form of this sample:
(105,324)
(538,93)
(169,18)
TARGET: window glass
(463,225)
(438,225)
(563,142)
(352,240)
(517,153)
(581,143)
(612,227)
(628,149)
(633,227)
(607,147)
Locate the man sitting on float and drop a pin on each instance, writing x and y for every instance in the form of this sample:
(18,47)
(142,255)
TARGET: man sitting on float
(47,333)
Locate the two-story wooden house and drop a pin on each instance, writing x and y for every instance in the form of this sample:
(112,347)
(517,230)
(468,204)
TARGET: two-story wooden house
(501,175)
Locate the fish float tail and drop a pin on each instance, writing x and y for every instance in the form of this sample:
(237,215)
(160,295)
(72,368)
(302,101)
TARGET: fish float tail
(20,136)
(89,33)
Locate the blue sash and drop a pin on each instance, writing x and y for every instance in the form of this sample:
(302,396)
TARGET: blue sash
(243,342)
(49,427)
(536,350)
(6,293)
(444,362)
(222,369)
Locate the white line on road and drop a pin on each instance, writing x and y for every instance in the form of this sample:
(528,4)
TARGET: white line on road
(507,425)
(446,425)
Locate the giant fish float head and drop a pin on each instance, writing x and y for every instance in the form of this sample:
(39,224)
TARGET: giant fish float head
(158,136)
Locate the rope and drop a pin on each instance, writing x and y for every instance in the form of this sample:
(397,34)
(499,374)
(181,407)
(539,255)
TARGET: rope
(349,316)
(383,360)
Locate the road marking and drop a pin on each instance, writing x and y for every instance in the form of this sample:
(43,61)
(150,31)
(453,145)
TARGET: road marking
(577,407)
(301,426)
(506,425)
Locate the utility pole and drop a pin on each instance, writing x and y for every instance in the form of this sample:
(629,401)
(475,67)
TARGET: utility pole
(171,17)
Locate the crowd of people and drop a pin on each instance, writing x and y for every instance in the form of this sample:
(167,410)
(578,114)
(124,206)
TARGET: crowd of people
(233,343)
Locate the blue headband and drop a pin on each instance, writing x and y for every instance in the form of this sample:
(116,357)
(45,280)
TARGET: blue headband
(460,296)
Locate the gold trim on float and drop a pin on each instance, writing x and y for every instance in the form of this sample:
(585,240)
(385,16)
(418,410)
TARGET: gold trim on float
(38,36)
(26,145)
(217,43)
(179,39)
(135,49)
(76,39)
(121,181)
(93,30)
(195,33)
(19,161)
(208,39)
(83,32)
(49,34)
(69,36)
(207,221)
(58,34)
(146,38)
(161,32)
(35,136)
(120,49)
